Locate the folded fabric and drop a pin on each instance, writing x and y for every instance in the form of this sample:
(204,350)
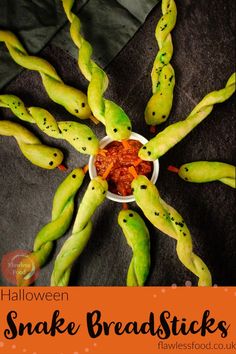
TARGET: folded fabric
(107,24)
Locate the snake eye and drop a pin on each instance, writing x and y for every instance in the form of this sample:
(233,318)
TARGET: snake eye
(143,186)
(125,220)
(73,176)
(129,128)
(131,215)
(144,147)
(115,130)
(153,113)
(93,188)
(89,138)
(51,163)
(83,104)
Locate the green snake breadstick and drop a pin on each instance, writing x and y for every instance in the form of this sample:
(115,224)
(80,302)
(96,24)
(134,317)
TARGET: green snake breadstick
(80,136)
(170,222)
(73,100)
(62,212)
(117,123)
(207,171)
(31,147)
(174,133)
(138,239)
(75,244)
(163,75)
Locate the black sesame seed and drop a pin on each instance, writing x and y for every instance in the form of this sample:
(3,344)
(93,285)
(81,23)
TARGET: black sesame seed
(143,186)
(131,215)
(55,154)
(93,188)
(114,130)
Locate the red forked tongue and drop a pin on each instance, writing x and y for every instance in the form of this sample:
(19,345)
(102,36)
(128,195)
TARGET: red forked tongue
(173,169)
(62,168)
(153,129)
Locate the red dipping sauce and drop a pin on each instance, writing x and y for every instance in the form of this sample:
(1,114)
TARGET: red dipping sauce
(119,179)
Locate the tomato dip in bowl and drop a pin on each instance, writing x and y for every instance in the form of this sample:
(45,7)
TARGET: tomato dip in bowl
(114,159)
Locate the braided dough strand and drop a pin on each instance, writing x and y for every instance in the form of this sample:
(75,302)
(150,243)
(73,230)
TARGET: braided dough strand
(37,153)
(62,213)
(170,222)
(73,100)
(117,123)
(163,75)
(75,244)
(80,136)
(174,133)
(138,239)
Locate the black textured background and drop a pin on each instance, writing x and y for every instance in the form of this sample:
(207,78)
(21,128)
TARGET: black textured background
(204,58)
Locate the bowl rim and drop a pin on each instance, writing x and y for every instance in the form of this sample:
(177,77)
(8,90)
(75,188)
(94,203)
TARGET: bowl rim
(93,172)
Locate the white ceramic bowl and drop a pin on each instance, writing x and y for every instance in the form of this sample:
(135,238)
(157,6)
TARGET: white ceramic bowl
(93,172)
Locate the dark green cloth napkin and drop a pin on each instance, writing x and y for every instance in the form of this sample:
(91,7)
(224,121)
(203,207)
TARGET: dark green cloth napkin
(107,24)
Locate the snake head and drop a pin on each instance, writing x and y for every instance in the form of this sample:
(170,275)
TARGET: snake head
(97,189)
(80,136)
(41,155)
(118,125)
(146,151)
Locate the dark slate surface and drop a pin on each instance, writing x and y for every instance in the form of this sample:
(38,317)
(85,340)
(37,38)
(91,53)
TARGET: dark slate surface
(203,60)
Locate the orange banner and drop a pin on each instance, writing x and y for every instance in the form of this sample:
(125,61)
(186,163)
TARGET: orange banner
(117,320)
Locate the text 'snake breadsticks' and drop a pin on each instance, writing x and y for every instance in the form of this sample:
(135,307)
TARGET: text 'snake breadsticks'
(75,244)
(174,133)
(78,135)
(207,171)
(163,75)
(117,123)
(169,221)
(62,213)
(73,100)
(39,154)
(137,236)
